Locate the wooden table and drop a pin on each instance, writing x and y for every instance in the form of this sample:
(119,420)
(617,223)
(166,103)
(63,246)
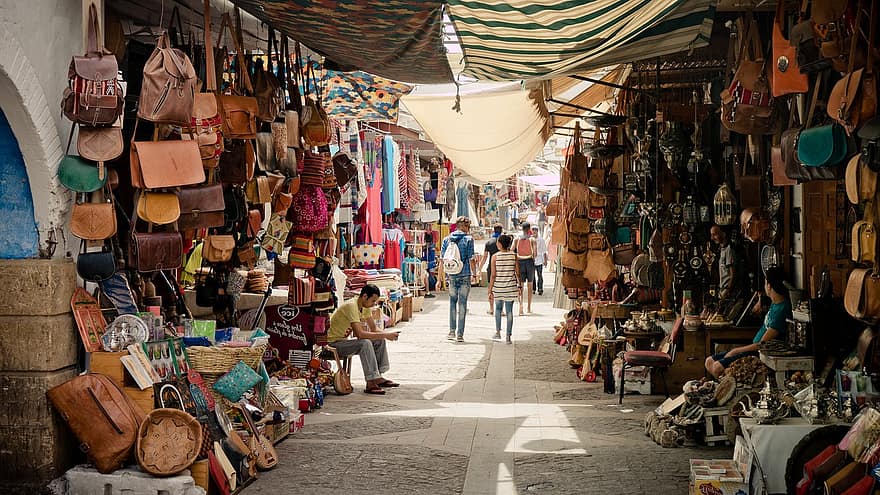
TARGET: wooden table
(781,364)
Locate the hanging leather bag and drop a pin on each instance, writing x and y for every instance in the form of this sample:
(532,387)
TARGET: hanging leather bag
(201,207)
(861,181)
(267,88)
(870,137)
(205,126)
(862,296)
(80,175)
(573,260)
(314,122)
(853,98)
(169,86)
(747,104)
(158,164)
(822,146)
(864,242)
(93,221)
(154,251)
(785,74)
(95,267)
(93,96)
(803,38)
(103,418)
(218,248)
(159,208)
(99,144)
(790,139)
(237,162)
(239,113)
(600,266)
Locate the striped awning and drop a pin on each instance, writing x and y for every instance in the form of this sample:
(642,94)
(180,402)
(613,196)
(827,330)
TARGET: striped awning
(527,39)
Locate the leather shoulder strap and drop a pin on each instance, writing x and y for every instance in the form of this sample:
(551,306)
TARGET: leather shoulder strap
(210,68)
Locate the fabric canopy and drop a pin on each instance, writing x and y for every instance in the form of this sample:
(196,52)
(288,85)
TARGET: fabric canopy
(500,128)
(357,95)
(397,39)
(526,39)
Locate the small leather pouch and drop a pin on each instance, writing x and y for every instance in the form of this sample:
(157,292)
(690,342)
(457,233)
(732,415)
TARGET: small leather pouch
(218,248)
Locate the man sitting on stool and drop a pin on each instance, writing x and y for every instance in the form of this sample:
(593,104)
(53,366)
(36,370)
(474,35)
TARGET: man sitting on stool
(354,318)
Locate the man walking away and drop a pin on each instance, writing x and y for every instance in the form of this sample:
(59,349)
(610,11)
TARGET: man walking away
(491,249)
(457,251)
(540,260)
(526,249)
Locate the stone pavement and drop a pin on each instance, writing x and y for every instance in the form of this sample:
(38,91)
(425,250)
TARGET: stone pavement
(479,417)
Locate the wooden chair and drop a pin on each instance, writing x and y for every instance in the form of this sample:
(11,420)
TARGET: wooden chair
(661,359)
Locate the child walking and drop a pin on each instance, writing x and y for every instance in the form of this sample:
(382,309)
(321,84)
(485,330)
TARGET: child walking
(504,284)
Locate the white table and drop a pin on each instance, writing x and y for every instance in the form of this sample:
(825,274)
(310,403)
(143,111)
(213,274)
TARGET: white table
(772,445)
(781,364)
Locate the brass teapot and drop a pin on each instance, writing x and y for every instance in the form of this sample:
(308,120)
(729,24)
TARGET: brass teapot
(769,409)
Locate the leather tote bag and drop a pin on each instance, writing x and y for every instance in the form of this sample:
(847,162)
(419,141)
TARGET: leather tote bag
(103,418)
(168,90)
(785,74)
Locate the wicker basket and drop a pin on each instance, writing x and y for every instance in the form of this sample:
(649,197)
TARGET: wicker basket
(168,442)
(214,362)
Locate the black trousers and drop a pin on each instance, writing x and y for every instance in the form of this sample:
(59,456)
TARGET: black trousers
(539,279)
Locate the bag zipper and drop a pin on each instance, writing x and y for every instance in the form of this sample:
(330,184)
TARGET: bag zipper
(162,98)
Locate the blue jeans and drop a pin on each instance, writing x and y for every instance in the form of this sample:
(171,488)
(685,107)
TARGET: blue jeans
(459,289)
(508,307)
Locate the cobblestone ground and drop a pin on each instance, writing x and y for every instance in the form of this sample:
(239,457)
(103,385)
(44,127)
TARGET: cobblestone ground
(480,417)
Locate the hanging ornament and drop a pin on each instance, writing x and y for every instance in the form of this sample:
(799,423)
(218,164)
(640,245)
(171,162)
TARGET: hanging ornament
(725,204)
(676,146)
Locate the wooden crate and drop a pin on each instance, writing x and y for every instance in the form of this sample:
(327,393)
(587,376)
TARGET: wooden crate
(108,363)
(406,307)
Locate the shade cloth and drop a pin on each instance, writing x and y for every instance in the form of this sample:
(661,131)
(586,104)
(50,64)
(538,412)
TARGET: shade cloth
(500,128)
(523,39)
(397,39)
(361,96)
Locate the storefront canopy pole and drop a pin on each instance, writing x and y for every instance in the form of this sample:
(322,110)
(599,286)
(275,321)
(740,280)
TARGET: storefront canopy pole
(610,84)
(572,105)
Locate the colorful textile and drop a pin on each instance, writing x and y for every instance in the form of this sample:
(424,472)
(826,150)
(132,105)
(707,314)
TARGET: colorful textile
(389,173)
(397,39)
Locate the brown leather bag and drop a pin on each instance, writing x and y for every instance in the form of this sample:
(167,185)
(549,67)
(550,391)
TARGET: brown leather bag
(747,104)
(239,113)
(93,221)
(864,242)
(218,248)
(785,73)
(102,417)
(100,144)
(777,165)
(257,190)
(168,91)
(315,124)
(237,162)
(157,164)
(862,296)
(600,266)
(861,181)
(853,100)
(267,88)
(205,126)
(155,251)
(201,207)
(573,260)
(159,208)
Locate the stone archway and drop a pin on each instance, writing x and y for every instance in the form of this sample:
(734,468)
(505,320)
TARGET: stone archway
(33,123)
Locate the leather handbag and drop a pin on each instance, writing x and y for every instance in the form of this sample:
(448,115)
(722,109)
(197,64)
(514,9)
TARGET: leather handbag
(861,181)
(853,98)
(237,162)
(157,164)
(862,296)
(267,88)
(93,95)
(99,144)
(573,279)
(864,242)
(155,251)
(341,380)
(597,242)
(747,104)
(578,225)
(239,113)
(777,167)
(78,174)
(785,73)
(315,124)
(870,136)
(794,169)
(283,197)
(168,90)
(600,266)
(218,248)
(344,169)
(257,190)
(823,146)
(201,207)
(246,254)
(103,418)
(93,221)
(95,267)
(160,208)
(573,260)
(205,128)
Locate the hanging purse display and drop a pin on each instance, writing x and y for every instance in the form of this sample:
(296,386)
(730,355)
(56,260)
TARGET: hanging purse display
(853,99)
(218,248)
(747,105)
(864,242)
(201,207)
(95,267)
(159,208)
(93,221)
(785,74)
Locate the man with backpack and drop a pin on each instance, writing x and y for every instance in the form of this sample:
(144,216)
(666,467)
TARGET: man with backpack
(457,256)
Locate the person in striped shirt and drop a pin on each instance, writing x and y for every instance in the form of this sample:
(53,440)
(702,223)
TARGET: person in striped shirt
(504,284)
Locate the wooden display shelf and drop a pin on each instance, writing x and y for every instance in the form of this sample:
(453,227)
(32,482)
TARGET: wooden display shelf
(108,363)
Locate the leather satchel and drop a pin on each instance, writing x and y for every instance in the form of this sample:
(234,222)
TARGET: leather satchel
(573,260)
(103,418)
(785,74)
(201,207)
(237,162)
(257,190)
(861,181)
(862,296)
(160,208)
(747,104)
(239,113)
(822,146)
(99,144)
(79,175)
(155,251)
(93,221)
(218,248)
(168,91)
(157,164)
(600,266)
(93,95)
(864,242)
(96,267)
(794,169)
(853,98)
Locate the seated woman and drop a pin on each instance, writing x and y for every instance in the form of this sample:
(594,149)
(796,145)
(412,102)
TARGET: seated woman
(773,327)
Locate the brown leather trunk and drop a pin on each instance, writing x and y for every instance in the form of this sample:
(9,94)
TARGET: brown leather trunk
(102,417)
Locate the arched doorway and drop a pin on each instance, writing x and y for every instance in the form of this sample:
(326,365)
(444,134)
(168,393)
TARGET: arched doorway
(18,230)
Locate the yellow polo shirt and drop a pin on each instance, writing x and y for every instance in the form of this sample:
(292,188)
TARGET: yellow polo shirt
(346,314)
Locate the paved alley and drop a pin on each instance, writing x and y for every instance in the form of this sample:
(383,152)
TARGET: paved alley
(479,417)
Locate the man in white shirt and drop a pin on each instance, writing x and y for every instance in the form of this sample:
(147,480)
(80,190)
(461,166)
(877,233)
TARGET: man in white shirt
(540,260)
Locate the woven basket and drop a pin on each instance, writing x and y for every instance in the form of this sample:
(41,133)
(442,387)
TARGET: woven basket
(168,442)
(214,362)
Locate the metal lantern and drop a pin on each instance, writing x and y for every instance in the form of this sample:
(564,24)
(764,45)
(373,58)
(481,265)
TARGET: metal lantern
(676,146)
(725,206)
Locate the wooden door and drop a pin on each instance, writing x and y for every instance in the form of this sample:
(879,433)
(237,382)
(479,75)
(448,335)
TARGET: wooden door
(825,243)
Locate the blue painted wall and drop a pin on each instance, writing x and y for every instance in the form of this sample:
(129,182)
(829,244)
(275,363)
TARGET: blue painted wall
(18,231)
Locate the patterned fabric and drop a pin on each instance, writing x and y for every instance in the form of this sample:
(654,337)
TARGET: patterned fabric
(358,95)
(416,199)
(276,233)
(366,255)
(401,179)
(506,286)
(397,39)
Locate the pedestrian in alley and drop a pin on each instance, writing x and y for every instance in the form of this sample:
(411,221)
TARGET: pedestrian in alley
(526,249)
(354,319)
(490,250)
(504,284)
(540,261)
(459,283)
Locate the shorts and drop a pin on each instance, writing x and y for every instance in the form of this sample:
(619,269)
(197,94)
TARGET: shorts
(719,357)
(527,270)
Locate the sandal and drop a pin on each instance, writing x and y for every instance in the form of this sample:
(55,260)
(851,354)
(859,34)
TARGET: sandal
(374,390)
(389,383)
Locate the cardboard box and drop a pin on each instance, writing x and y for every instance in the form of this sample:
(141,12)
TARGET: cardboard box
(717,477)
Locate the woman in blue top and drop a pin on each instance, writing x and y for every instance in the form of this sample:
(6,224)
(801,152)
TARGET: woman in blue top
(773,327)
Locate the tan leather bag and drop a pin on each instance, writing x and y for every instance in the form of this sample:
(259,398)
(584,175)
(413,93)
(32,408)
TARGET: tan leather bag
(862,296)
(218,248)
(93,221)
(747,105)
(315,124)
(573,260)
(341,379)
(239,113)
(861,181)
(157,164)
(160,208)
(257,190)
(853,99)
(785,73)
(600,266)
(100,144)
(168,91)
(777,165)
(103,418)
(864,242)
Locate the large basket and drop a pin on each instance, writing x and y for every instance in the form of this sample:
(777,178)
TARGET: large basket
(214,362)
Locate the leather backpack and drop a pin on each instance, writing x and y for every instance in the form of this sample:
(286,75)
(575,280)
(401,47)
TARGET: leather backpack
(168,89)
(747,104)
(103,418)
(93,95)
